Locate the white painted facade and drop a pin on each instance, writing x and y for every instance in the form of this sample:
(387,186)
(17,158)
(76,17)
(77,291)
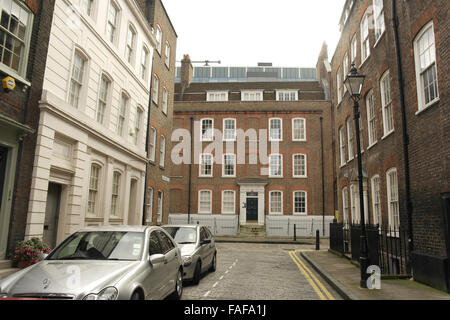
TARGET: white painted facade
(70,139)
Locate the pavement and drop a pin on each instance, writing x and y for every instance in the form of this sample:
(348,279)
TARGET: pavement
(269,240)
(344,277)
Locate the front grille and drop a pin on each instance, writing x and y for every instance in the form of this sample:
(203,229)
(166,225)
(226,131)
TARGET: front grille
(47,296)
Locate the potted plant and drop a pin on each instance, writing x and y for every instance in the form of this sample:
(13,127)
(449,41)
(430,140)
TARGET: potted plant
(27,252)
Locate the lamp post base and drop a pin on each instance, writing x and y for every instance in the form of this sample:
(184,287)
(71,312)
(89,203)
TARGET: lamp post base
(364,262)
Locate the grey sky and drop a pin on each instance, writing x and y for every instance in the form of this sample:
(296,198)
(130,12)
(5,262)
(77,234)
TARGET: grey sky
(245,32)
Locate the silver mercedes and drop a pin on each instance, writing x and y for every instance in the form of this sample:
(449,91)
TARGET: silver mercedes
(198,249)
(104,263)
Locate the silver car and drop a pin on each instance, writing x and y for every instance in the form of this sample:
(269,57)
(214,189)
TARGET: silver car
(104,263)
(198,249)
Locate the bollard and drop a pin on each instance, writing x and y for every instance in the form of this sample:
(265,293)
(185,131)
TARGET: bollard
(295,232)
(317,240)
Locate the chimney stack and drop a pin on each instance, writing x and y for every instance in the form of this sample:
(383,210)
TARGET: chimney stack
(187,72)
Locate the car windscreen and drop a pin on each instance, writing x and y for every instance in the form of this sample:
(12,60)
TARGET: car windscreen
(109,245)
(183,235)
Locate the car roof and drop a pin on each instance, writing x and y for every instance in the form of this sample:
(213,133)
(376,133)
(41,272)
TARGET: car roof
(182,225)
(123,228)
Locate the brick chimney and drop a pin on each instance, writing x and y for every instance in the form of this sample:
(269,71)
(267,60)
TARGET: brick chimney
(187,72)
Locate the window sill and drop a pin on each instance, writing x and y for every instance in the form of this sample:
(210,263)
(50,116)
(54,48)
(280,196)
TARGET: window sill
(14,75)
(388,134)
(300,177)
(228,177)
(428,106)
(299,140)
(300,214)
(379,38)
(372,145)
(362,63)
(276,177)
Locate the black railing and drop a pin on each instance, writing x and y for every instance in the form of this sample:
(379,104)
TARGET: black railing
(388,247)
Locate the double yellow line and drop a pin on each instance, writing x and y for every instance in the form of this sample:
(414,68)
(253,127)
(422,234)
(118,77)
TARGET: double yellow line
(318,287)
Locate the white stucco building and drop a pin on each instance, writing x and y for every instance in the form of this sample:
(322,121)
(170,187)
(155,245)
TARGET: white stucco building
(90,161)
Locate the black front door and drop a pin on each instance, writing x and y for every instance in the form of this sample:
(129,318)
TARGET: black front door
(252,209)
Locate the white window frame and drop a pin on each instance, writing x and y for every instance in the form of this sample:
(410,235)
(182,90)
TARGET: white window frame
(378,16)
(115,194)
(144,63)
(422,105)
(354,49)
(303,130)
(339,85)
(122,114)
(149,211)
(160,208)
(224,211)
(93,201)
(167,52)
(226,130)
(252,95)
(271,138)
(207,136)
(158,38)
(224,173)
(200,211)
(394,222)
(217,96)
(365,40)
(371,119)
(305,165)
(280,157)
(354,204)
(78,83)
(342,146)
(350,139)
(116,25)
(376,200)
(202,157)
(130,48)
(271,202)
(386,104)
(21,73)
(165,101)
(305,213)
(345,66)
(138,124)
(287,95)
(155,91)
(152,150)
(345,211)
(162,152)
(103,101)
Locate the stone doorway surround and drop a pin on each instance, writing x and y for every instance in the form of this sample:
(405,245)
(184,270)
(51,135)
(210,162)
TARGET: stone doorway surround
(252,186)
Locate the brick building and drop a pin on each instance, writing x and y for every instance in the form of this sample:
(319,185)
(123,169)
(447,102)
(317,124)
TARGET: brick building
(269,129)
(161,114)
(402,47)
(26,26)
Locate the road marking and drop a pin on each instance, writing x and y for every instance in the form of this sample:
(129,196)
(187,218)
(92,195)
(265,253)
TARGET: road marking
(215,284)
(207,294)
(308,278)
(230,267)
(329,295)
(221,278)
(227,271)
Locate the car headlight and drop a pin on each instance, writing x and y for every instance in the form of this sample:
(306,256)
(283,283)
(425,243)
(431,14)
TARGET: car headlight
(109,293)
(3,295)
(187,260)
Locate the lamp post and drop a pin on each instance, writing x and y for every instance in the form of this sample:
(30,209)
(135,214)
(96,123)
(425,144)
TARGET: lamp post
(354,83)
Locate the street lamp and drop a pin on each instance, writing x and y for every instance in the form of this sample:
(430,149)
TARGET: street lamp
(354,83)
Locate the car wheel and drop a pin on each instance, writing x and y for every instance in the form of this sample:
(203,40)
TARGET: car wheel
(176,295)
(213,264)
(197,273)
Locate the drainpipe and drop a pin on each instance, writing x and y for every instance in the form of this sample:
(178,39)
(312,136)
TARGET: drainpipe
(147,138)
(409,207)
(323,176)
(190,170)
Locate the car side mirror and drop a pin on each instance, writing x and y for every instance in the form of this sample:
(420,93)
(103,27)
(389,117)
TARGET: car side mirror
(42,256)
(157,258)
